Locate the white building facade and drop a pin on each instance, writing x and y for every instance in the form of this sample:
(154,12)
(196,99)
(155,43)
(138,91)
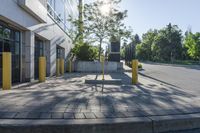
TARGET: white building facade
(33,28)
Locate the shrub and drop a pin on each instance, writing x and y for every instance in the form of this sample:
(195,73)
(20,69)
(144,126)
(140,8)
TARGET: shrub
(140,66)
(85,52)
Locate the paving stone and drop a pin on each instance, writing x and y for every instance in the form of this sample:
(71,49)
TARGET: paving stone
(72,110)
(162,112)
(57,115)
(7,115)
(120,109)
(189,110)
(68,115)
(133,114)
(130,109)
(107,109)
(61,105)
(28,115)
(3,109)
(58,109)
(89,115)
(85,110)
(109,115)
(45,115)
(119,115)
(79,116)
(99,115)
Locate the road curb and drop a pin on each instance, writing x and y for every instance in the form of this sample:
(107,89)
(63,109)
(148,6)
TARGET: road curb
(175,122)
(125,125)
(151,124)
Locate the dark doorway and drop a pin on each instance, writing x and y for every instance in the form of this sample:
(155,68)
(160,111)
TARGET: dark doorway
(39,51)
(60,52)
(10,42)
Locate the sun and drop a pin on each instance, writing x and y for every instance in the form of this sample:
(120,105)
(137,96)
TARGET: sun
(105,9)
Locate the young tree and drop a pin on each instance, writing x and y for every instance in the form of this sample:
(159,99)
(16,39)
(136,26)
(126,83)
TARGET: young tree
(103,21)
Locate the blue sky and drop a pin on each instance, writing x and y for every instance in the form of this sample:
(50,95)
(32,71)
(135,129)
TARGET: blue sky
(146,14)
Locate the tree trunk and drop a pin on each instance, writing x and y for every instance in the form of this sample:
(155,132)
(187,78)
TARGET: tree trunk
(80,7)
(100,49)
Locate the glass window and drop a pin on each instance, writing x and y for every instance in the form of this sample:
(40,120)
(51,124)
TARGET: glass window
(1,45)
(10,42)
(1,32)
(16,45)
(6,33)
(51,2)
(41,49)
(0,60)
(7,46)
(59,8)
(17,36)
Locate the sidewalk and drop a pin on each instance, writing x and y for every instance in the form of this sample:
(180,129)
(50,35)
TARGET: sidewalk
(69,100)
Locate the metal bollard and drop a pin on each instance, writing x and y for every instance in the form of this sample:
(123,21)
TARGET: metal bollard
(42,69)
(103,73)
(6,72)
(62,67)
(70,66)
(57,67)
(134,72)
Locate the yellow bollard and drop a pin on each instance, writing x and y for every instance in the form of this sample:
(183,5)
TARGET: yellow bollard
(103,68)
(62,67)
(42,69)
(6,71)
(70,66)
(57,67)
(134,71)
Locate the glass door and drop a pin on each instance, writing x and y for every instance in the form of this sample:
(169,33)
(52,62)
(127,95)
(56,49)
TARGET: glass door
(10,42)
(1,48)
(39,51)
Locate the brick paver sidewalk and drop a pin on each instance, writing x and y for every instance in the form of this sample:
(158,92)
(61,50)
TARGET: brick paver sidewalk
(69,97)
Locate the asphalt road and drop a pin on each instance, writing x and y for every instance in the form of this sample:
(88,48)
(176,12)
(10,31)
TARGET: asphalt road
(186,77)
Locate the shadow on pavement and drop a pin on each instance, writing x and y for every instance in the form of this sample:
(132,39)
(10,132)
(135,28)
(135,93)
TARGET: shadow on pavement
(61,95)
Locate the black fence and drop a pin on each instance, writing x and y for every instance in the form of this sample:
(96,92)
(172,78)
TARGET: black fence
(130,53)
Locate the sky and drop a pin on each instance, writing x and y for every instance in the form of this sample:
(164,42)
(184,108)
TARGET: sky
(155,14)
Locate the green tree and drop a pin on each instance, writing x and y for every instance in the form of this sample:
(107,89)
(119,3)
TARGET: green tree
(192,43)
(167,45)
(144,49)
(103,21)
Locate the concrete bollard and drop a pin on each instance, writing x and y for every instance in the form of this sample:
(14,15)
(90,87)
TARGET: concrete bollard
(134,72)
(62,67)
(6,71)
(57,67)
(42,69)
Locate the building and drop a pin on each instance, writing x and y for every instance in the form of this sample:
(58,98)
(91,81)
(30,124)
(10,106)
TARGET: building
(33,28)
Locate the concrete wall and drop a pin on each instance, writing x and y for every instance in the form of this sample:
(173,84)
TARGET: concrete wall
(89,66)
(30,26)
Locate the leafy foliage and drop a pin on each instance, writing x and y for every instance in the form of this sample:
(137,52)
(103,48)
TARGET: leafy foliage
(143,50)
(85,52)
(103,27)
(192,43)
(162,45)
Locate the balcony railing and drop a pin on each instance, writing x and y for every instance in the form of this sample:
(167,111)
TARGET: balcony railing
(56,17)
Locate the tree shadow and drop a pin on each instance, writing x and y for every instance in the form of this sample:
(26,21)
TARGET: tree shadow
(60,95)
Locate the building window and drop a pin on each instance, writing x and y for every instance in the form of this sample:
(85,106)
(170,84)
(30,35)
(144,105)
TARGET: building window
(10,42)
(60,10)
